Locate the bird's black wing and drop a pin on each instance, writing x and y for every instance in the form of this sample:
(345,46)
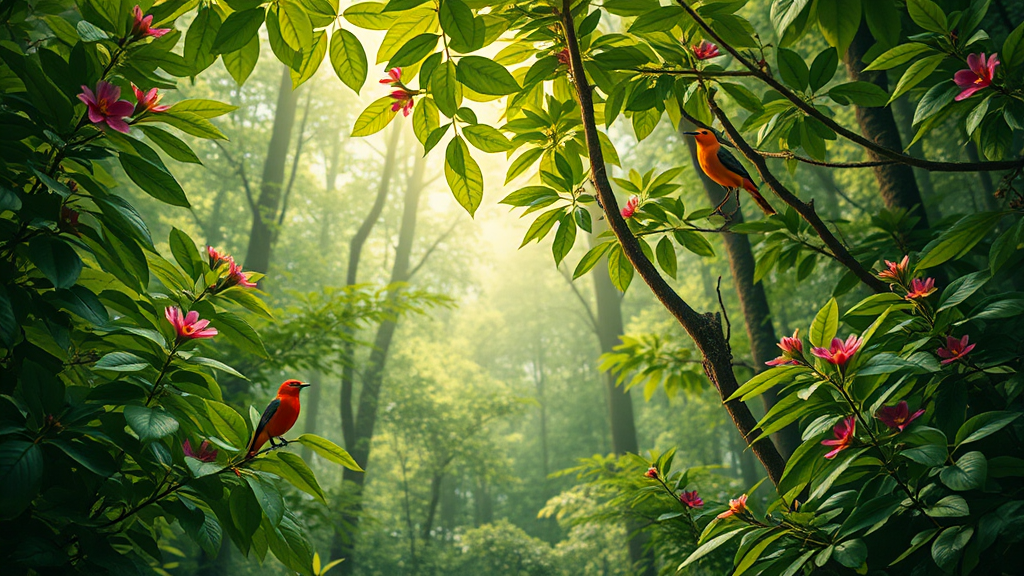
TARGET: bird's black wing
(267,415)
(730,162)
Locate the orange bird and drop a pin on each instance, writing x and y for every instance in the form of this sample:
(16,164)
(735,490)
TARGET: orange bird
(722,167)
(279,417)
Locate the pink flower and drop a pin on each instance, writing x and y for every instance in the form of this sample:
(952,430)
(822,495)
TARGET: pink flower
(630,208)
(736,506)
(691,499)
(141,25)
(978,76)
(897,416)
(792,349)
(205,454)
(839,353)
(705,50)
(652,472)
(921,289)
(844,436)
(104,106)
(189,327)
(955,349)
(148,100)
(394,77)
(236,277)
(216,257)
(895,272)
(403,101)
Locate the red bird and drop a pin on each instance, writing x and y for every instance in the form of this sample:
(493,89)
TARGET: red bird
(279,417)
(722,167)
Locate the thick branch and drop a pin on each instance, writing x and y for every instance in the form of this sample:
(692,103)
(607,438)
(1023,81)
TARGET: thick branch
(695,73)
(805,209)
(810,110)
(704,329)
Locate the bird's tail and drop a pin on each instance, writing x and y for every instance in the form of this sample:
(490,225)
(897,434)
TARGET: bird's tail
(758,198)
(254,446)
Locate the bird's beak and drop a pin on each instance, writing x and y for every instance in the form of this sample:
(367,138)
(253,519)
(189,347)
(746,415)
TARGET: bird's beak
(690,133)
(304,385)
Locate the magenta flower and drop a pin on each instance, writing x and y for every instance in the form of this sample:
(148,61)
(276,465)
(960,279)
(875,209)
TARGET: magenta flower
(394,77)
(691,499)
(921,288)
(652,473)
(141,26)
(236,277)
(188,327)
(403,101)
(104,106)
(844,436)
(148,100)
(954,349)
(736,506)
(205,454)
(630,208)
(894,272)
(216,257)
(792,350)
(978,76)
(705,50)
(839,353)
(898,416)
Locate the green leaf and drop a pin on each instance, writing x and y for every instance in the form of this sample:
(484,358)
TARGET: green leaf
(620,270)
(565,238)
(935,100)
(228,423)
(329,450)
(883,21)
(238,29)
(660,19)
(1013,47)
(407,26)
(486,138)
(121,362)
(369,15)
(784,13)
(983,425)
(958,240)
(710,546)
(485,76)
(21,470)
(291,468)
(742,96)
(916,73)
(170,144)
(969,472)
(89,33)
(823,68)
(56,259)
(199,39)
(860,93)
(445,88)
(899,55)
(591,258)
(792,69)
(153,180)
(348,59)
(268,496)
(203,108)
(240,333)
(962,288)
(927,15)
(241,63)
(185,254)
(295,26)
(825,325)
(947,547)
(852,553)
(188,122)
(463,175)
(150,423)
(216,365)
(838,21)
(245,510)
(416,49)
(666,253)
(375,118)
(459,24)
(951,506)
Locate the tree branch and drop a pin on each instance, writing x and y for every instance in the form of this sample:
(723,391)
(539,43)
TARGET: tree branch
(430,250)
(586,305)
(805,209)
(810,110)
(704,329)
(240,171)
(693,72)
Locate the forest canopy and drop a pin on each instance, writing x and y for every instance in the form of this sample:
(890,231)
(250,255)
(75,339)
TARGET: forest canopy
(524,287)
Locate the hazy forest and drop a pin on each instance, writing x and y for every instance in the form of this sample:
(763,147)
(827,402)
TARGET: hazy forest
(512,287)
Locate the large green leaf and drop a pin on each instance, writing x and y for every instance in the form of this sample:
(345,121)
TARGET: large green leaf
(916,73)
(464,175)
(21,469)
(121,362)
(348,59)
(983,425)
(268,496)
(416,49)
(150,423)
(291,468)
(329,450)
(968,473)
(485,76)
(958,240)
(238,29)
(241,63)
(927,15)
(375,118)
(153,180)
(792,69)
(230,425)
(56,259)
(825,325)
(838,21)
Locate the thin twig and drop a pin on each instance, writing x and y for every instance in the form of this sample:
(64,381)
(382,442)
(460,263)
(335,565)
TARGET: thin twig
(423,259)
(579,296)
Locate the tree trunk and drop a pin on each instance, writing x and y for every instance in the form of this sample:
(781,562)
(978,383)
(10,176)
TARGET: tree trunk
(355,252)
(753,301)
(265,211)
(366,417)
(543,428)
(483,510)
(896,182)
(620,403)
(435,499)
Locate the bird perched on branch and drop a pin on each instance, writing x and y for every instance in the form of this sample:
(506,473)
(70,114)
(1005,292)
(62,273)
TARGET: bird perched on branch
(278,418)
(722,167)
